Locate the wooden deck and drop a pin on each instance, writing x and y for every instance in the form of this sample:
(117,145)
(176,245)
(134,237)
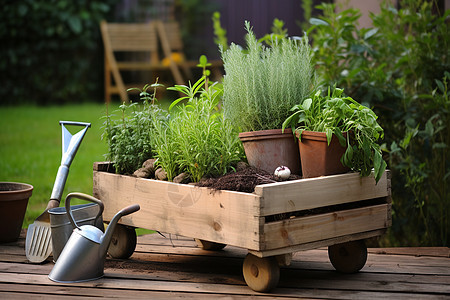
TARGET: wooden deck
(163,268)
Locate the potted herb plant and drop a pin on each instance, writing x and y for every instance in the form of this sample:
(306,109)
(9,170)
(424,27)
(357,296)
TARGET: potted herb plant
(336,134)
(261,84)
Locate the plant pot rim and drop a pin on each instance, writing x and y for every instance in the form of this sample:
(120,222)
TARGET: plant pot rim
(23,189)
(314,135)
(264,134)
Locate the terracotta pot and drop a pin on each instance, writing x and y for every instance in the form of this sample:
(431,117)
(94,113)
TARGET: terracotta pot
(13,204)
(319,159)
(269,149)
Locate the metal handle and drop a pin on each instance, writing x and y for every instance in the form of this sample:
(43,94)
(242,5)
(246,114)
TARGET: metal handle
(70,146)
(74,123)
(83,197)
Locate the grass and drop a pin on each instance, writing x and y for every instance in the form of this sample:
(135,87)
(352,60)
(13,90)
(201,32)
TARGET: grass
(31,149)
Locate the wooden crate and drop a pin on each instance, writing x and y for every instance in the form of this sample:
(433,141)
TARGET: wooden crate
(278,218)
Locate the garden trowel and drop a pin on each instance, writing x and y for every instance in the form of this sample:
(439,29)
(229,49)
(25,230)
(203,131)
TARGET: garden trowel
(38,244)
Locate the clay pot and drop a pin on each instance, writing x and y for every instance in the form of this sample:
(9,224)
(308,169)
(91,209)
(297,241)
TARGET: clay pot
(319,159)
(269,149)
(13,204)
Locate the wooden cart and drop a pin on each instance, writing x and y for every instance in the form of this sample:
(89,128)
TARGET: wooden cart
(278,219)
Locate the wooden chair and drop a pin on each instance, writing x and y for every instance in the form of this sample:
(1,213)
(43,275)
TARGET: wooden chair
(139,39)
(171,42)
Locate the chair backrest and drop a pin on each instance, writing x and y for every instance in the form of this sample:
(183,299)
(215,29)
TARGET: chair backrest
(170,32)
(126,37)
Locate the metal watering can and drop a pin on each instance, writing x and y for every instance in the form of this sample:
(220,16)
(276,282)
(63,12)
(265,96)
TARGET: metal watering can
(83,214)
(83,257)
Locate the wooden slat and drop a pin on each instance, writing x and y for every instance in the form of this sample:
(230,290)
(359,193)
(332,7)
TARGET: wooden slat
(318,244)
(157,270)
(139,66)
(167,50)
(172,31)
(225,217)
(22,291)
(132,37)
(297,231)
(415,251)
(319,192)
(321,287)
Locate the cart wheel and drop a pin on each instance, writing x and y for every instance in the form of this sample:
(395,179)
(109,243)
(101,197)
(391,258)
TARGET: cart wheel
(348,257)
(261,274)
(123,242)
(207,245)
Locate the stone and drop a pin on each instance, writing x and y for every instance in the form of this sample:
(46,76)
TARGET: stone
(181,178)
(141,173)
(147,170)
(160,174)
(149,163)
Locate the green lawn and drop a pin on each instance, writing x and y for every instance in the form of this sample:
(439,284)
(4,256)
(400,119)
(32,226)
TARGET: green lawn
(30,149)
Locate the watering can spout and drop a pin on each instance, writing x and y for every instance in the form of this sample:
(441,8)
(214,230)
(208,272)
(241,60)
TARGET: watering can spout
(106,238)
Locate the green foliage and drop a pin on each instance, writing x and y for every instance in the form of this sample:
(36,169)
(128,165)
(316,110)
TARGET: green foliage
(165,146)
(337,114)
(130,133)
(51,50)
(341,49)
(426,177)
(194,17)
(398,68)
(262,83)
(307,7)
(194,138)
(220,33)
(278,33)
(206,144)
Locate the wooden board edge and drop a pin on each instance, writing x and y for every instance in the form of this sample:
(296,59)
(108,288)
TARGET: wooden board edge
(308,229)
(319,244)
(302,194)
(103,166)
(219,217)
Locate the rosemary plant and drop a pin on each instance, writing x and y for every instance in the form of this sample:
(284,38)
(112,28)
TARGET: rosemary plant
(206,144)
(262,83)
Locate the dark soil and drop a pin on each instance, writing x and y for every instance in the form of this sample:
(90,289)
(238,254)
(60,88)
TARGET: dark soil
(243,180)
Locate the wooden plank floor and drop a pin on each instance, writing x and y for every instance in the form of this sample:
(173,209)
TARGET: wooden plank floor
(163,268)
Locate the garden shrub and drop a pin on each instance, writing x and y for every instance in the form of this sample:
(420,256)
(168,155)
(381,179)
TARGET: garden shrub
(399,67)
(52,50)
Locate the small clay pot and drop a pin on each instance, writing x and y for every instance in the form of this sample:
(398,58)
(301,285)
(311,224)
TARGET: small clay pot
(317,157)
(269,149)
(13,204)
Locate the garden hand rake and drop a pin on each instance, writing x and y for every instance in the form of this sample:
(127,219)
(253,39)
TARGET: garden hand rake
(38,241)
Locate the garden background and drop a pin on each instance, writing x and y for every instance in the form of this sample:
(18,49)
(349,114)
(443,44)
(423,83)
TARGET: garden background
(51,68)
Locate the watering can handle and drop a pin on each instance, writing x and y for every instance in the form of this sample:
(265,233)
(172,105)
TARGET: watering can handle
(83,197)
